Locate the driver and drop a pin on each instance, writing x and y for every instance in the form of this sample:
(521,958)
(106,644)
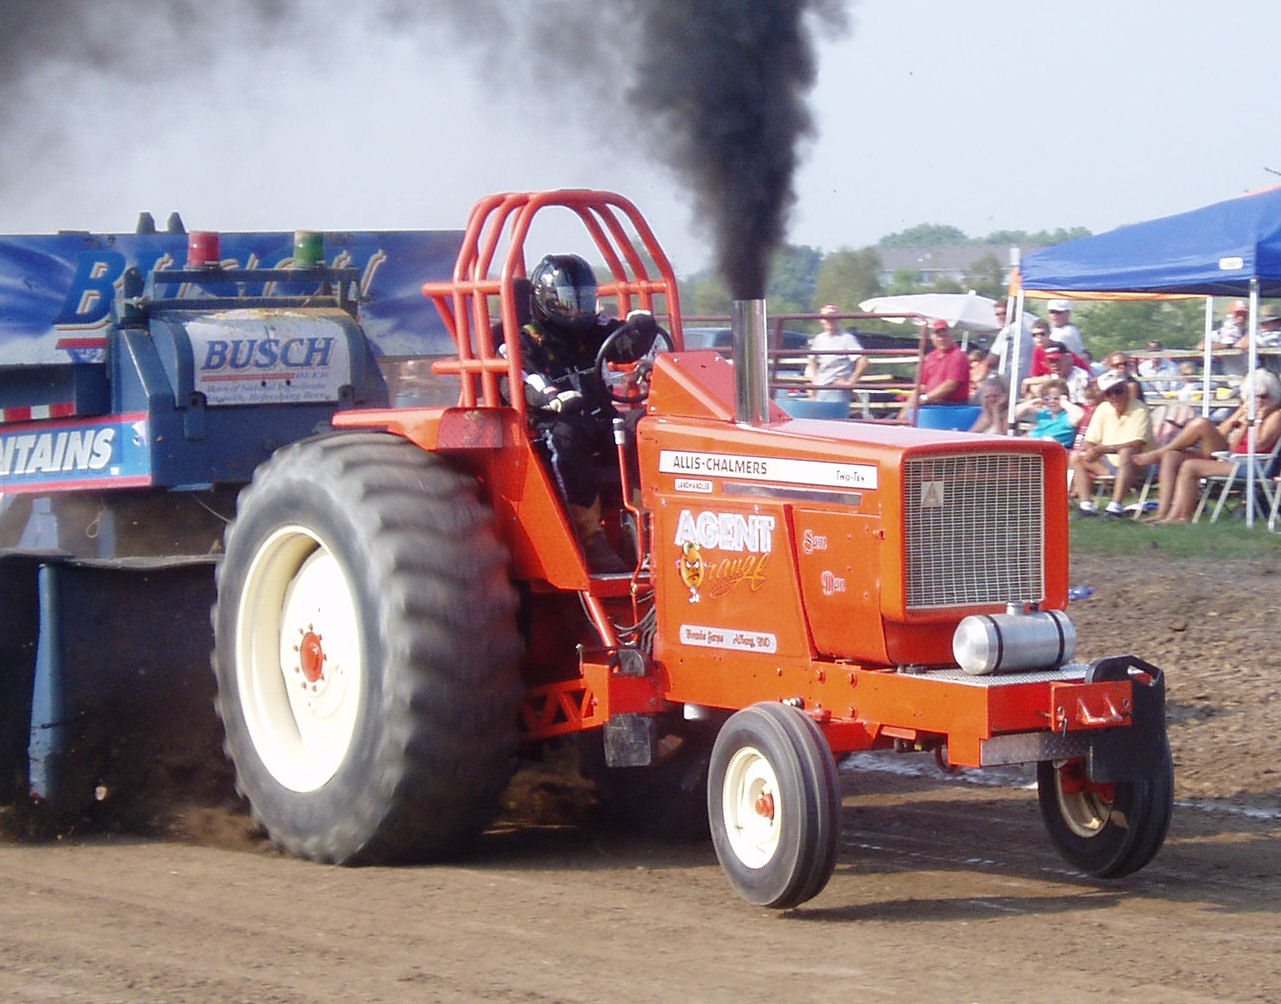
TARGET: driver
(570,409)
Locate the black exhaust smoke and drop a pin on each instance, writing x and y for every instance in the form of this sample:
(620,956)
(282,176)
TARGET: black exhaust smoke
(722,84)
(715,88)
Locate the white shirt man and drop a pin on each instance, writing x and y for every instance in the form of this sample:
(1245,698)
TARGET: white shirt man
(1061,327)
(832,376)
(999,355)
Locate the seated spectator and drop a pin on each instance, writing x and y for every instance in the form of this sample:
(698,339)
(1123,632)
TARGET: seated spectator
(1040,339)
(994,398)
(945,372)
(1055,416)
(1093,398)
(1119,362)
(1063,367)
(1157,372)
(1120,429)
(1096,369)
(1195,446)
(978,372)
(1191,386)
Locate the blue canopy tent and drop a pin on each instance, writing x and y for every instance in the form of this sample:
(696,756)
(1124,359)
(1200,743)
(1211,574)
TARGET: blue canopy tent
(1230,248)
(1227,249)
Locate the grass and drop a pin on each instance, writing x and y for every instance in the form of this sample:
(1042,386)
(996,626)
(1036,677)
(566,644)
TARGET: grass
(1229,539)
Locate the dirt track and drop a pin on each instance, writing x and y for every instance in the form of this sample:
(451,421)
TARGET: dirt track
(943,886)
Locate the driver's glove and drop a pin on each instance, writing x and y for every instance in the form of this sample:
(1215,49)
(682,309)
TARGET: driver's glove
(566,402)
(642,322)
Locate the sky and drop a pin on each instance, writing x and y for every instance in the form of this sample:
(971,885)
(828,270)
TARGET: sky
(986,115)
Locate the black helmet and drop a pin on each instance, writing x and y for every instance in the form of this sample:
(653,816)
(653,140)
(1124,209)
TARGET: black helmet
(563,290)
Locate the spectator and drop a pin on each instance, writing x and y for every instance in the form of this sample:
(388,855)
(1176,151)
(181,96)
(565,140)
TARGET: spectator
(1269,330)
(1063,366)
(1093,398)
(1054,415)
(978,371)
(1201,439)
(833,376)
(1061,327)
(1158,372)
(1040,339)
(1120,428)
(1235,326)
(1191,385)
(1120,362)
(945,372)
(993,398)
(1000,355)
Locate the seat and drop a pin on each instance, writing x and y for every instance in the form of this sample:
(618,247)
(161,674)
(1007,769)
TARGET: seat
(1265,470)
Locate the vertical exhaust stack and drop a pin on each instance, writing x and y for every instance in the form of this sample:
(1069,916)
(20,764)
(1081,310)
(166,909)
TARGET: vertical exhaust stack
(751,361)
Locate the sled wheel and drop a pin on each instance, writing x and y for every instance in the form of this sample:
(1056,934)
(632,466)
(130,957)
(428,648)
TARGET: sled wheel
(366,652)
(1106,830)
(773,805)
(668,798)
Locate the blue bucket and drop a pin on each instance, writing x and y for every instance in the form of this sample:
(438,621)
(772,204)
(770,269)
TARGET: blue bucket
(808,407)
(947,416)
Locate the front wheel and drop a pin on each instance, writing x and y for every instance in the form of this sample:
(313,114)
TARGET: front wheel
(774,805)
(1106,830)
(366,652)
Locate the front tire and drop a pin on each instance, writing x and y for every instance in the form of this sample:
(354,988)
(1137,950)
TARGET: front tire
(1106,830)
(774,805)
(366,652)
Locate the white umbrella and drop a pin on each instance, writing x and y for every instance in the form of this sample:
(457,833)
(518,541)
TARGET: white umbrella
(967,311)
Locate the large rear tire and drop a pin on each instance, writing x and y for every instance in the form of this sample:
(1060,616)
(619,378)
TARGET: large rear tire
(774,805)
(366,652)
(1106,830)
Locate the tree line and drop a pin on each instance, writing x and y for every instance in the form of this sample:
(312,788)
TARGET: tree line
(803,278)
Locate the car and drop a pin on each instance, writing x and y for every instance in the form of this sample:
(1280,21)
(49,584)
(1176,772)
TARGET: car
(722,340)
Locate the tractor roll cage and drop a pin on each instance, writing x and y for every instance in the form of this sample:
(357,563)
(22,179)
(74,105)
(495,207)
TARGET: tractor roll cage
(464,303)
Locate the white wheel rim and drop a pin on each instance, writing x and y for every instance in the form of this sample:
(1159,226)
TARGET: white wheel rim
(298,659)
(1084,812)
(751,808)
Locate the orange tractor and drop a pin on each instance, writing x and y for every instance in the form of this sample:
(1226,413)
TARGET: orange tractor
(404,604)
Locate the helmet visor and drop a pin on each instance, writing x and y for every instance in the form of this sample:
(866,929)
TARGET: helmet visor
(570,302)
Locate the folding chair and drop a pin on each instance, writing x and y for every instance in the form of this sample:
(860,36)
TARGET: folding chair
(1265,469)
(1276,504)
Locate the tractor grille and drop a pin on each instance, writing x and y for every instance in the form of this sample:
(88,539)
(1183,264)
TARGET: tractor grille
(975,529)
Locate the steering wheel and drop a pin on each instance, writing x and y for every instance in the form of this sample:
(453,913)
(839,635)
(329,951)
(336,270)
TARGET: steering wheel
(625,358)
